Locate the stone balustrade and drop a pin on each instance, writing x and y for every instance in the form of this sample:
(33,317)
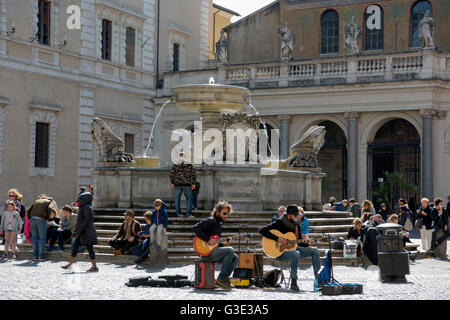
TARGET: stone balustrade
(426,64)
(376,68)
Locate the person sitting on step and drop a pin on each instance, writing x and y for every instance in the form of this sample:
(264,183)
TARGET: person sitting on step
(143,248)
(281,211)
(159,223)
(127,236)
(67,226)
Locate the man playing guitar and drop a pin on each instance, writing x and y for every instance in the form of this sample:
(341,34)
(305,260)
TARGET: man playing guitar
(287,223)
(210,230)
(306,250)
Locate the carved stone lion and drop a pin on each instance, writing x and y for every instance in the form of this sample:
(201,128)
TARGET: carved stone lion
(110,146)
(304,152)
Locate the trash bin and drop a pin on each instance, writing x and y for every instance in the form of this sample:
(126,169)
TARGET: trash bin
(393,261)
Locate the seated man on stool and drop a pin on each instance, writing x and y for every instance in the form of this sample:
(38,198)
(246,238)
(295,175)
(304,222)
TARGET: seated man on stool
(287,223)
(210,226)
(304,247)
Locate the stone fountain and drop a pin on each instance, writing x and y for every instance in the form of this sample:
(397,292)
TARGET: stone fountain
(252,187)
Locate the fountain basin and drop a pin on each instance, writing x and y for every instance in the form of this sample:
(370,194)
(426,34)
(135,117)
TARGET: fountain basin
(146,162)
(211,98)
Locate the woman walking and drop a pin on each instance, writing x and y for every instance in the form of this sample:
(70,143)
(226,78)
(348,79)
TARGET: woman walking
(85,233)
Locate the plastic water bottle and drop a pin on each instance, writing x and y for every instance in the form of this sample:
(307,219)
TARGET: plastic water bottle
(316,285)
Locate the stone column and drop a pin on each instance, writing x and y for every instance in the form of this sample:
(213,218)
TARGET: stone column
(427,152)
(352,153)
(284,136)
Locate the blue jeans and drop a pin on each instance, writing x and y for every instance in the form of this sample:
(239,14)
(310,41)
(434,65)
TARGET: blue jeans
(141,250)
(314,254)
(227,257)
(38,235)
(187,190)
(293,257)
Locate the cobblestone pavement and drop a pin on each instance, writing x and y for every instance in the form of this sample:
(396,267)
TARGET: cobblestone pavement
(23,279)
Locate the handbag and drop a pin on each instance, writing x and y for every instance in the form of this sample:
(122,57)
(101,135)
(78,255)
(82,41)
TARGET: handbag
(273,277)
(408,225)
(419,223)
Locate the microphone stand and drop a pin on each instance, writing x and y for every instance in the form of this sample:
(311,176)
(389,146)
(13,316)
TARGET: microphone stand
(332,279)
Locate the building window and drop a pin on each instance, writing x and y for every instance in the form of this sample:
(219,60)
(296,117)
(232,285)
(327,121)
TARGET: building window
(417,13)
(129,143)
(176,57)
(329,23)
(41,145)
(44,22)
(373,28)
(130,48)
(106,39)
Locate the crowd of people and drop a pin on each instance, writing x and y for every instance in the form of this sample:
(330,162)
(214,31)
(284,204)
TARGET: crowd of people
(430,218)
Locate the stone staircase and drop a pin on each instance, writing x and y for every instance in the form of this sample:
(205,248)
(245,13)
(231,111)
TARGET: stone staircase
(180,235)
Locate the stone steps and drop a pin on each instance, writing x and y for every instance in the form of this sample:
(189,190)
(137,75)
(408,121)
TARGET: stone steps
(180,235)
(234,220)
(206,213)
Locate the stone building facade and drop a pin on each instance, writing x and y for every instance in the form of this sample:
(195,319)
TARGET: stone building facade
(385,108)
(54,80)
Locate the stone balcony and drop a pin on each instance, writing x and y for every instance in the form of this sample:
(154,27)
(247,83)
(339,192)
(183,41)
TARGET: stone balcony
(338,70)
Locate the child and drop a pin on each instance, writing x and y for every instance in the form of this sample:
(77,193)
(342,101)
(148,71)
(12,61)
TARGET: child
(159,222)
(143,248)
(11,225)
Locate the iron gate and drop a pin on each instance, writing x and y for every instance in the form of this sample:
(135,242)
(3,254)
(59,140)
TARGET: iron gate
(402,158)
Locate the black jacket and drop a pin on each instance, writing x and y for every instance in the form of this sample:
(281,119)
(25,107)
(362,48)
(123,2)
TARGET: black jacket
(85,227)
(370,247)
(280,226)
(428,219)
(383,214)
(439,222)
(208,227)
(353,233)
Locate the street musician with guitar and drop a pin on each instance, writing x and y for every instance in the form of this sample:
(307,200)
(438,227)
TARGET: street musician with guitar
(208,231)
(280,240)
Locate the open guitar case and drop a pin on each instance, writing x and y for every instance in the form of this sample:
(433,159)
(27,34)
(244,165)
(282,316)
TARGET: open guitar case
(332,286)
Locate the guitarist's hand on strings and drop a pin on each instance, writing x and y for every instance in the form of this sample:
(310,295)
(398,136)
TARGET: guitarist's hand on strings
(283,241)
(212,242)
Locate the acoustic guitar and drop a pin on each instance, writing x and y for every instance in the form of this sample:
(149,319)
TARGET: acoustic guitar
(204,249)
(274,249)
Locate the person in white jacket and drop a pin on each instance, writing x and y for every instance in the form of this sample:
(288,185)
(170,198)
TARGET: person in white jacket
(10,226)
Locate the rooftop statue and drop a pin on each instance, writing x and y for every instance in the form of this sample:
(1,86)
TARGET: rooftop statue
(222,49)
(287,42)
(426,31)
(110,146)
(304,152)
(352,33)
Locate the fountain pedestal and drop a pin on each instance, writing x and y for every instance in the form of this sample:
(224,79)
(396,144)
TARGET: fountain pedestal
(246,188)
